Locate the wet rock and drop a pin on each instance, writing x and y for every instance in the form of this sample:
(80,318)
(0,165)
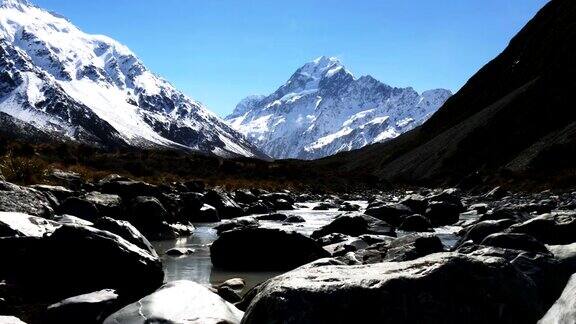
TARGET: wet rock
(126,231)
(263,249)
(237,224)
(564,310)
(350,245)
(236,284)
(80,208)
(435,289)
(228,294)
(90,308)
(515,241)
(179,302)
(148,215)
(294,219)
(29,201)
(557,228)
(416,223)
(282,204)
(442,213)
(392,214)
(227,208)
(77,259)
(273,217)
(107,205)
(180,251)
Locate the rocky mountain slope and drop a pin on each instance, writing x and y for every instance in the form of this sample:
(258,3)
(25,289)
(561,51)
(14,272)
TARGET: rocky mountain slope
(89,88)
(323,109)
(513,119)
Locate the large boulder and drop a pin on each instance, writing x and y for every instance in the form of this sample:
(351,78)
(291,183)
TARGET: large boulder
(416,223)
(14,198)
(515,241)
(479,231)
(91,308)
(440,288)
(263,249)
(59,192)
(179,302)
(206,214)
(149,216)
(557,228)
(53,263)
(442,213)
(564,310)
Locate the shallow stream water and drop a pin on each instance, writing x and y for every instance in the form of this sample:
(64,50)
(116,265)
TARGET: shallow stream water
(198,267)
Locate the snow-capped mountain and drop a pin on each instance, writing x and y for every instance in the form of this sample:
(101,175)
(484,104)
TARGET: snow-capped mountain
(91,88)
(323,109)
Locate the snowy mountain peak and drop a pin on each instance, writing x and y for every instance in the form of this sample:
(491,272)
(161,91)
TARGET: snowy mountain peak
(91,88)
(323,109)
(20,4)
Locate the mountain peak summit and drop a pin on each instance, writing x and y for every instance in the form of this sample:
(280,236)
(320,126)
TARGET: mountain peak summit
(15,3)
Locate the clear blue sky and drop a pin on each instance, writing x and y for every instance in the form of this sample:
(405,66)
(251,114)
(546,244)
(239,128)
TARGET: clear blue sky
(219,51)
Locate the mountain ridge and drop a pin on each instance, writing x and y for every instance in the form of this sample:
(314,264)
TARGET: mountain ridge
(324,109)
(66,82)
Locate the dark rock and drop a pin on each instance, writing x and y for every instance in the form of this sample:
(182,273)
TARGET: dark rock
(19,199)
(515,241)
(416,223)
(274,197)
(435,289)
(295,219)
(557,228)
(179,302)
(128,189)
(479,231)
(148,215)
(236,284)
(126,231)
(332,239)
(564,310)
(67,179)
(245,197)
(226,207)
(191,202)
(282,204)
(77,259)
(80,208)
(273,217)
(90,308)
(263,249)
(237,224)
(349,207)
(228,295)
(258,208)
(206,214)
(500,213)
(416,203)
(348,225)
(392,214)
(195,185)
(413,246)
(59,192)
(326,206)
(350,245)
(180,251)
(443,213)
